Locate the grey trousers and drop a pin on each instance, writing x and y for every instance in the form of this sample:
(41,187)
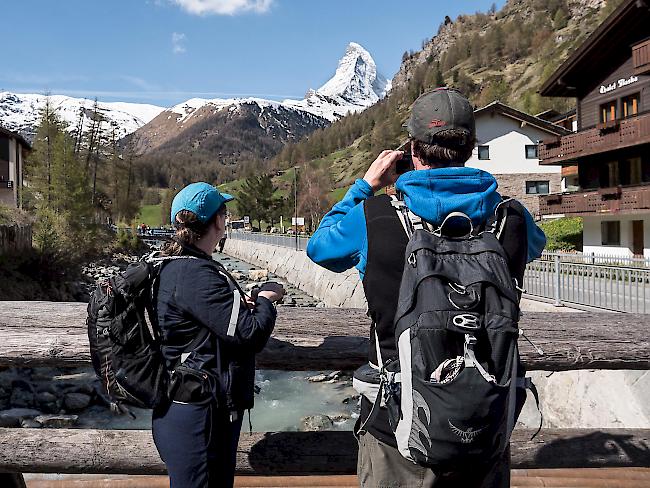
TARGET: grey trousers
(382,466)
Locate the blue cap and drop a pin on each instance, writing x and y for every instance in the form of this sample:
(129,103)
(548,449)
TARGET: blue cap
(200,198)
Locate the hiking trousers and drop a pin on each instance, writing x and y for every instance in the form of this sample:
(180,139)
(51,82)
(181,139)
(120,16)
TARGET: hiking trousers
(198,444)
(382,466)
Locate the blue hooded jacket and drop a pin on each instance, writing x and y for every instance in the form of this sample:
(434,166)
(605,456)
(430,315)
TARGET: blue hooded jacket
(341,241)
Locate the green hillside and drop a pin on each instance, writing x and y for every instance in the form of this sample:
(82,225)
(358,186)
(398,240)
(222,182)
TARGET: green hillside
(504,55)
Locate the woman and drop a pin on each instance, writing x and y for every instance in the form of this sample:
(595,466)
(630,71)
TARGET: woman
(210,334)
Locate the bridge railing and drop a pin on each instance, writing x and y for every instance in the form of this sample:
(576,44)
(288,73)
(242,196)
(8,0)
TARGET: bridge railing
(279,240)
(47,334)
(617,288)
(572,279)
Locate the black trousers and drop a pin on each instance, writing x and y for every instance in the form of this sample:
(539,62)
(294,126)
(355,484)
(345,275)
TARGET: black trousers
(198,444)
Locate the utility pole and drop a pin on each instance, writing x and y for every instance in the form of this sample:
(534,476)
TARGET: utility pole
(295,201)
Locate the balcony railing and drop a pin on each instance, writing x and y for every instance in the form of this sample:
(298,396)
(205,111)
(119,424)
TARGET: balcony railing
(602,138)
(601,201)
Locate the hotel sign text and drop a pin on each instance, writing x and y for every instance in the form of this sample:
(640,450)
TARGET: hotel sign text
(618,84)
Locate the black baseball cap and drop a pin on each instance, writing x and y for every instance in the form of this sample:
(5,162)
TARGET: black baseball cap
(438,110)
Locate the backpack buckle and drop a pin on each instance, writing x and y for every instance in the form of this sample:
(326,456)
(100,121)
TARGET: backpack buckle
(467,321)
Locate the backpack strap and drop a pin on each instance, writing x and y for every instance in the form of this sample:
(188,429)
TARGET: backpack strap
(497,222)
(413,222)
(409,220)
(472,362)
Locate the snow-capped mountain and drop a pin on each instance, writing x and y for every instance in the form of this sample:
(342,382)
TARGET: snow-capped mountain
(199,122)
(226,129)
(199,125)
(356,85)
(21,113)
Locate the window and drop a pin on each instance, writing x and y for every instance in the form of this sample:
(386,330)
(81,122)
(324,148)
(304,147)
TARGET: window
(631,105)
(611,233)
(4,148)
(531,151)
(608,111)
(484,152)
(537,188)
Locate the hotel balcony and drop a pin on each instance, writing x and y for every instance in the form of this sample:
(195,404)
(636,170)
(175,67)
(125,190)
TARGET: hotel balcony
(619,199)
(605,137)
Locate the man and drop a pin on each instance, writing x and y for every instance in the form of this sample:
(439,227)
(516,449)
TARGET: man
(365,231)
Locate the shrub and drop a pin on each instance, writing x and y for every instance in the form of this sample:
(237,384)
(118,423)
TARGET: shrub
(563,234)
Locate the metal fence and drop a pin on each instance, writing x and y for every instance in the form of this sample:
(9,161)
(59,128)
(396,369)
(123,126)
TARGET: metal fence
(572,279)
(618,288)
(289,241)
(605,259)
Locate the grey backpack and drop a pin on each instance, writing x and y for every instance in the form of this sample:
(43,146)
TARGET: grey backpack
(455,393)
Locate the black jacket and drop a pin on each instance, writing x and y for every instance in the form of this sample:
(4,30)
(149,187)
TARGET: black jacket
(194,293)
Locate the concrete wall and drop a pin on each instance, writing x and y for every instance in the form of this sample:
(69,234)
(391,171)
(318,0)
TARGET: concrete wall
(334,289)
(15,238)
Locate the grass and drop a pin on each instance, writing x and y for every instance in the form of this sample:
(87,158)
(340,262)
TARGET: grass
(150,215)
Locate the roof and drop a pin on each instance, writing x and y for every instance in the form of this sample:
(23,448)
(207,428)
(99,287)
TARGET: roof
(16,136)
(603,51)
(513,113)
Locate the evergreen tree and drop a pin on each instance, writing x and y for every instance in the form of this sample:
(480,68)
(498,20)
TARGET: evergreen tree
(257,199)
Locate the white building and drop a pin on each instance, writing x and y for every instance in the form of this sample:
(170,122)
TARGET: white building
(507,147)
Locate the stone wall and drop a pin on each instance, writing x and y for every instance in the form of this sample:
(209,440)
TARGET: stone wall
(15,238)
(514,185)
(333,289)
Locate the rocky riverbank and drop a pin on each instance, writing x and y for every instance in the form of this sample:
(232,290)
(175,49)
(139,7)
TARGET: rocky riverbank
(65,397)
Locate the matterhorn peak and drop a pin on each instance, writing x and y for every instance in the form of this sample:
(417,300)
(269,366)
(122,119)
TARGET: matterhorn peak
(356,79)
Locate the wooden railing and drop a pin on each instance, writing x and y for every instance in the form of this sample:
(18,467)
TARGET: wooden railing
(43,333)
(612,135)
(597,202)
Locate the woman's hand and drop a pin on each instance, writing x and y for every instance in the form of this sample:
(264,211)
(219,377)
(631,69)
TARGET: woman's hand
(272,291)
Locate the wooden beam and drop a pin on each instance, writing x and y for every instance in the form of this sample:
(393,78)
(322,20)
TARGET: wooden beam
(295,453)
(48,333)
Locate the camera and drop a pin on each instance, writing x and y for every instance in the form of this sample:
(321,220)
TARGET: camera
(404,164)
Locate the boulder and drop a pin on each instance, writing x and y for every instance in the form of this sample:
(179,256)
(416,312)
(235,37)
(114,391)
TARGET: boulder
(319,378)
(21,397)
(13,416)
(258,274)
(45,397)
(351,399)
(76,401)
(313,423)
(341,417)
(57,421)
(30,424)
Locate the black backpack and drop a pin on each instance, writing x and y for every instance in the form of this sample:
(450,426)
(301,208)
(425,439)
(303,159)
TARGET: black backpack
(455,393)
(125,340)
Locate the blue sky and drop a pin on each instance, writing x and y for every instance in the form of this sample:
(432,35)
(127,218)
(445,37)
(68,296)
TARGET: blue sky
(166,51)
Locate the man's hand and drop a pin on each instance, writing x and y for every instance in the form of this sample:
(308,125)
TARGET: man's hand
(382,171)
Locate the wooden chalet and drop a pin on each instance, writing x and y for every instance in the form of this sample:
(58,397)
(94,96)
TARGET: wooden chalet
(609,75)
